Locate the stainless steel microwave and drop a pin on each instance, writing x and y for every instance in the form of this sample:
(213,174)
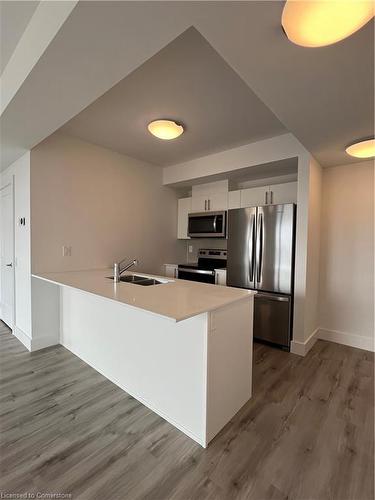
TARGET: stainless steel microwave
(207,225)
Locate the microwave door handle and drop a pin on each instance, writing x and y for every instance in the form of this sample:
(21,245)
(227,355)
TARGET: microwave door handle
(214,224)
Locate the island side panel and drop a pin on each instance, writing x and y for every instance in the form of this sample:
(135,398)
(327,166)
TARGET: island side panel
(229,363)
(156,360)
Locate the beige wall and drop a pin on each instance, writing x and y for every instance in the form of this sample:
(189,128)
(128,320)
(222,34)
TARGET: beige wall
(346,302)
(106,206)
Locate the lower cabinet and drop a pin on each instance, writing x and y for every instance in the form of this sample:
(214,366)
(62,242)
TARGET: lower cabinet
(221,277)
(171,270)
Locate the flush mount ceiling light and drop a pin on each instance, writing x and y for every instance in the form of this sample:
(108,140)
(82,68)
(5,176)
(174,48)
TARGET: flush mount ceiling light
(362,149)
(315,23)
(165,129)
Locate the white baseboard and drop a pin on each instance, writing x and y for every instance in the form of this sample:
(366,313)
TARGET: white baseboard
(22,337)
(302,348)
(42,342)
(349,339)
(33,344)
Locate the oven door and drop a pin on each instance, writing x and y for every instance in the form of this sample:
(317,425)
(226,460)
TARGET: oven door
(207,225)
(202,275)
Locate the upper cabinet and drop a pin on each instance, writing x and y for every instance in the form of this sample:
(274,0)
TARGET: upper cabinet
(210,197)
(214,196)
(283,193)
(234,199)
(253,197)
(184,207)
(269,195)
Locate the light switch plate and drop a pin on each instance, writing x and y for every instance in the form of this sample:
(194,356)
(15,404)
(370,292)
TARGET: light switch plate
(66,251)
(190,248)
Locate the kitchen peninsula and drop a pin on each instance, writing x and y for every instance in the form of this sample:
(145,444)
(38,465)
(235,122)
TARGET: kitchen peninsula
(183,349)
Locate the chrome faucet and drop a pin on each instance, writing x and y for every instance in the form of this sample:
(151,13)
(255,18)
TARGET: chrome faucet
(118,269)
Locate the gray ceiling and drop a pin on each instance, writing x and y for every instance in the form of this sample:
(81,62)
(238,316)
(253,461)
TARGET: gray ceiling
(189,82)
(14,17)
(324,96)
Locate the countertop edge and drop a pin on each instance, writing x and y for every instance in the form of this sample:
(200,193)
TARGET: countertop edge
(170,318)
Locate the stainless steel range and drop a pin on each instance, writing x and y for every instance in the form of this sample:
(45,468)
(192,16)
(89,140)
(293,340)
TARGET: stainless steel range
(204,270)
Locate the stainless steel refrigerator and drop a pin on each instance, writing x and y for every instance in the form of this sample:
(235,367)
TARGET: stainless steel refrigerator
(260,257)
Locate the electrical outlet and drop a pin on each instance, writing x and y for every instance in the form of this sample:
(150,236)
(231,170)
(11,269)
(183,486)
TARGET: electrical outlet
(190,248)
(66,251)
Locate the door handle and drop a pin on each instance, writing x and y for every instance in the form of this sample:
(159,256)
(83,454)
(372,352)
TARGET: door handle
(259,247)
(10,265)
(251,248)
(266,197)
(209,204)
(271,197)
(205,204)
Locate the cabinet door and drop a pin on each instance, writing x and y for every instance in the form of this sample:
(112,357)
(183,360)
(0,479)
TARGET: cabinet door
(218,201)
(199,203)
(184,207)
(253,197)
(170,270)
(221,277)
(283,193)
(234,199)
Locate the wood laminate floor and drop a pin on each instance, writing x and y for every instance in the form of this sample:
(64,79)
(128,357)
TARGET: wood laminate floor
(307,433)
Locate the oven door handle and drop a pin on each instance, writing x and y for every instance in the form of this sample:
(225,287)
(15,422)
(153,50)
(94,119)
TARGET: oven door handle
(196,271)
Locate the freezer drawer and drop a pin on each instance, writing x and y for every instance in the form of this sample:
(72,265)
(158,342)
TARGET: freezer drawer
(272,318)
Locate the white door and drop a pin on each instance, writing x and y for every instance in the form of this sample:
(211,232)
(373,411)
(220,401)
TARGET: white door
(234,199)
(253,197)
(283,193)
(6,255)
(199,203)
(218,201)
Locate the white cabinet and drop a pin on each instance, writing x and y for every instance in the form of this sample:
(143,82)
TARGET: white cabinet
(253,197)
(283,193)
(210,197)
(199,203)
(218,201)
(269,195)
(234,199)
(221,277)
(171,270)
(184,207)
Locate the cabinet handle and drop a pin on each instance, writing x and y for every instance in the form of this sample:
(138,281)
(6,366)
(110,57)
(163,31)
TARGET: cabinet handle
(266,197)
(271,196)
(205,204)
(209,204)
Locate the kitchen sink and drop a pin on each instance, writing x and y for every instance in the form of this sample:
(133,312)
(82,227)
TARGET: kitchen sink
(138,280)
(148,282)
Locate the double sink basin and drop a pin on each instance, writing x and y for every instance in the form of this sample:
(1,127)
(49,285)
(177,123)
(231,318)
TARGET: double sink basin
(138,280)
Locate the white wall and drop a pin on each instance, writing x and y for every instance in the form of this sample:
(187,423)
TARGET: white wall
(346,305)
(105,205)
(20,172)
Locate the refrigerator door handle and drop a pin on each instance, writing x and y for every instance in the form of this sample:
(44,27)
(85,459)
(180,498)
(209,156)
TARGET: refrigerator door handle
(259,247)
(268,296)
(251,248)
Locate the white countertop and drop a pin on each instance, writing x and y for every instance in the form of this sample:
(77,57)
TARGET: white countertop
(175,299)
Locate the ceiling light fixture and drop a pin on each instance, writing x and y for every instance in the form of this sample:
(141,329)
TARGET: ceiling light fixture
(362,149)
(315,23)
(165,129)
